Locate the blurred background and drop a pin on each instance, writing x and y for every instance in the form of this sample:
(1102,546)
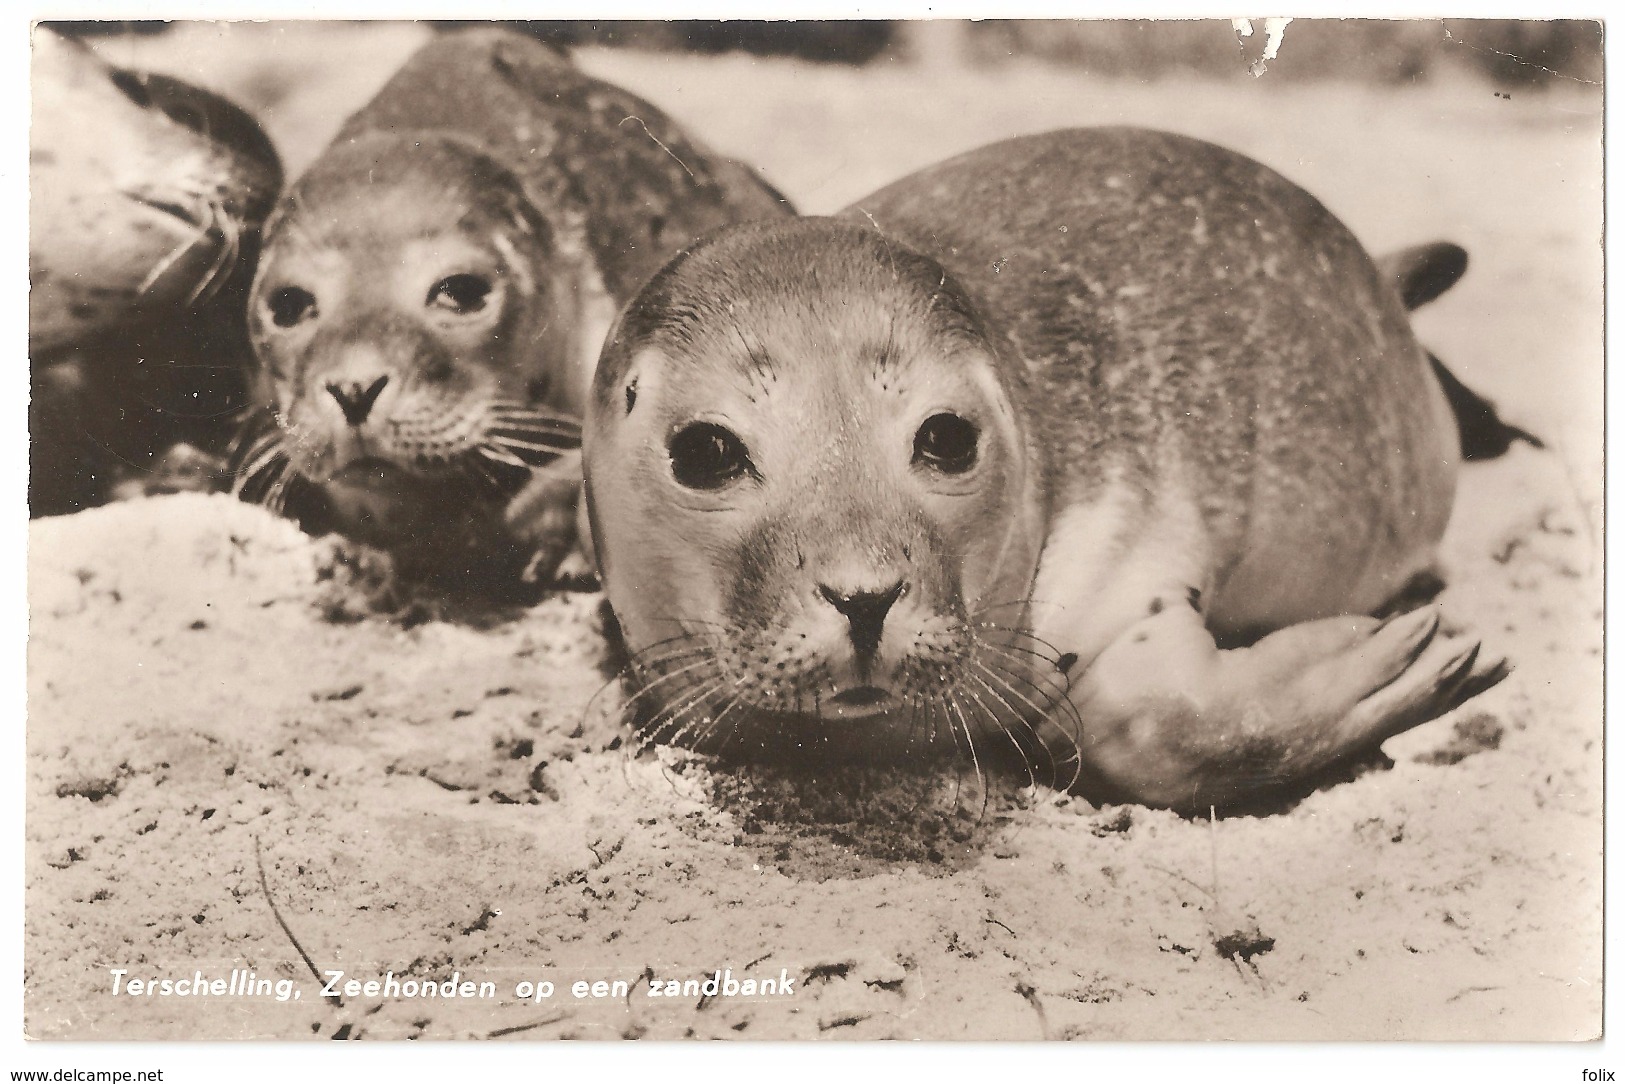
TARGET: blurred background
(1511,53)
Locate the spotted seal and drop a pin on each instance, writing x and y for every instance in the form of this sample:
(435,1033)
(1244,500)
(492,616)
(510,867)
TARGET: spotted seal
(436,287)
(1093,450)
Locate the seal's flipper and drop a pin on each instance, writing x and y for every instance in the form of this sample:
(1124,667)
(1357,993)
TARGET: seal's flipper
(543,516)
(1420,274)
(1444,678)
(1423,272)
(1169,719)
(1483,434)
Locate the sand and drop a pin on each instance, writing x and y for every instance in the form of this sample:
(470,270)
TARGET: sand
(227,769)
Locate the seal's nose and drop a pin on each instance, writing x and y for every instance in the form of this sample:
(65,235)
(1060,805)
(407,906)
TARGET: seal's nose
(865,611)
(356,401)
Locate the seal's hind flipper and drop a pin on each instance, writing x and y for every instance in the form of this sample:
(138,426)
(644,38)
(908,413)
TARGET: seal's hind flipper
(1442,679)
(1423,272)
(1483,434)
(1419,274)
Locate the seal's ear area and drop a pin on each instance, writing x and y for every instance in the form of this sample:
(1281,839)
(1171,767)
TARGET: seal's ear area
(637,382)
(1422,273)
(664,305)
(610,368)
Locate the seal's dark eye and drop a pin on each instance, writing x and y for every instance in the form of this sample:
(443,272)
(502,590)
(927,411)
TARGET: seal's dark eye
(947,443)
(461,294)
(706,456)
(291,305)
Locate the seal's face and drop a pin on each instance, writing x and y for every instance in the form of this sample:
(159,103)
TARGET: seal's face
(811,496)
(404,320)
(145,192)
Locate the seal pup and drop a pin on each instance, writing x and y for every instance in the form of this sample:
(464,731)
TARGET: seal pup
(1109,438)
(146,198)
(436,287)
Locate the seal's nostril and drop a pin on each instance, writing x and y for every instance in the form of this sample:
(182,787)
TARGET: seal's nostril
(356,401)
(865,611)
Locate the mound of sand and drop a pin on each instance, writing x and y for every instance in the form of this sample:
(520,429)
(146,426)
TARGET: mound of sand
(444,798)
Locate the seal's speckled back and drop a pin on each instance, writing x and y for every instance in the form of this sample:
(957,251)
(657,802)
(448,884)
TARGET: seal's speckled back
(647,186)
(1183,308)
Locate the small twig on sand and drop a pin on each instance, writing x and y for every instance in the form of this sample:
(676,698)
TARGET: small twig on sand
(542,1023)
(1236,943)
(315,973)
(1030,993)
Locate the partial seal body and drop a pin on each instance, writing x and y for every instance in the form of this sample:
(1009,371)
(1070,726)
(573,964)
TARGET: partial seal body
(146,196)
(1216,366)
(1036,443)
(143,190)
(435,289)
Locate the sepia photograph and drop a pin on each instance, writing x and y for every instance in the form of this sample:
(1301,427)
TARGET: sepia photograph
(924,529)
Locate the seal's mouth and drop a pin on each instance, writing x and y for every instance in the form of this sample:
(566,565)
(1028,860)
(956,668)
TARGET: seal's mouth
(371,489)
(366,470)
(864,696)
(861,701)
(174,208)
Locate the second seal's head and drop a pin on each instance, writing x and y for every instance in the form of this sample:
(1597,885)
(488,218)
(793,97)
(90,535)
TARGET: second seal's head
(412,314)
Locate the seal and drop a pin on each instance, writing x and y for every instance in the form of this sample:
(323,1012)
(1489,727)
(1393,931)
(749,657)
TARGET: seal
(143,190)
(1099,446)
(147,194)
(435,289)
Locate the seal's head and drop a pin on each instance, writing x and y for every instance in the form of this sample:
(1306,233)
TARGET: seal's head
(814,498)
(412,317)
(145,195)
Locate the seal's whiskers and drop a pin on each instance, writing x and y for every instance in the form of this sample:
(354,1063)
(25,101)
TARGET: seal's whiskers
(970,744)
(991,715)
(228,228)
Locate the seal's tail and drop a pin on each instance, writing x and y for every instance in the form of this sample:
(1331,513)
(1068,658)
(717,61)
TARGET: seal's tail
(1420,274)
